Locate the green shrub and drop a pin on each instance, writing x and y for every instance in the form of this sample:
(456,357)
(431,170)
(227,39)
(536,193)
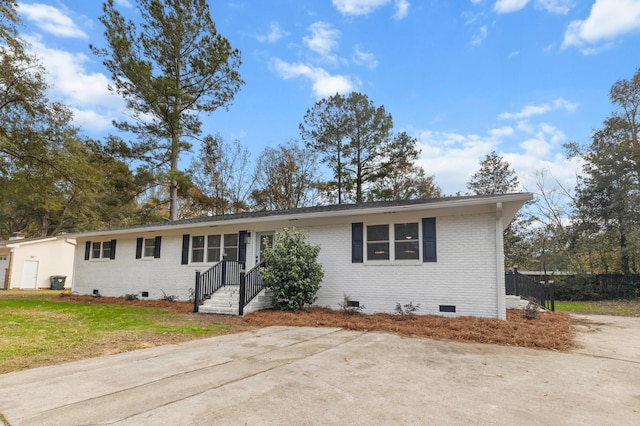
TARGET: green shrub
(292,270)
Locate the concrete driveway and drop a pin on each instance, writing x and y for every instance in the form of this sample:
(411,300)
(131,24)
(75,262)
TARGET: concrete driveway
(287,375)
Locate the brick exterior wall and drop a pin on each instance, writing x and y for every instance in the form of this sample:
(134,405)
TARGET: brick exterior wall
(465,274)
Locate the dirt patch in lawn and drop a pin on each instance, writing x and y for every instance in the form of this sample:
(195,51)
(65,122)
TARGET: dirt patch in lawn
(551,330)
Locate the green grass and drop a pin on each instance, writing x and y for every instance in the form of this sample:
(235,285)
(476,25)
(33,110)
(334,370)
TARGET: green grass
(610,308)
(575,306)
(37,331)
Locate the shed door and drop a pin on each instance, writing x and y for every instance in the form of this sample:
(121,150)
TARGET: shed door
(29,274)
(4,265)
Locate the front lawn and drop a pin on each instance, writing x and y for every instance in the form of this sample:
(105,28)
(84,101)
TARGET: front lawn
(40,329)
(630,308)
(47,327)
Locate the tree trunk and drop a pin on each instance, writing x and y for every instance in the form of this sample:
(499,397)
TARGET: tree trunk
(173,185)
(624,254)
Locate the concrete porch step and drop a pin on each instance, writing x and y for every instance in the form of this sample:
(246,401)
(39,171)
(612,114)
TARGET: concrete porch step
(225,301)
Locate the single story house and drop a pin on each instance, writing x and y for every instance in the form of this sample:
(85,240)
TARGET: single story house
(444,254)
(29,263)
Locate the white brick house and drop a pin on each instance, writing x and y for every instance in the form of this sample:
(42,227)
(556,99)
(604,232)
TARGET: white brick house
(445,254)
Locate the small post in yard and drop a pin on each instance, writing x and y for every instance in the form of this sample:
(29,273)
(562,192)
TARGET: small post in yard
(242,293)
(196,293)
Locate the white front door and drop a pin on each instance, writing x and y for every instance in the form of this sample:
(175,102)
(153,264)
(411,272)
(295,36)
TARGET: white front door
(29,274)
(263,240)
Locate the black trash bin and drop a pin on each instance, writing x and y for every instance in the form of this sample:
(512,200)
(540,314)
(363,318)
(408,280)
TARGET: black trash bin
(57,282)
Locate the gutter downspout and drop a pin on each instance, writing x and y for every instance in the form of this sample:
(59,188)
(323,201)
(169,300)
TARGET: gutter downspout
(500,285)
(75,259)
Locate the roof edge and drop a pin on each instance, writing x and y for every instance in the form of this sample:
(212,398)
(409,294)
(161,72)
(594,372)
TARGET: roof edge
(337,210)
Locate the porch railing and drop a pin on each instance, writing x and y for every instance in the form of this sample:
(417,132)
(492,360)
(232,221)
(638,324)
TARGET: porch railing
(225,272)
(250,286)
(521,285)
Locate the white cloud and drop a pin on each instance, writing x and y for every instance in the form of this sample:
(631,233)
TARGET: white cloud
(536,147)
(50,20)
(532,110)
(561,7)
(607,20)
(402,9)
(440,149)
(324,84)
(509,6)
(275,33)
(537,152)
(94,105)
(323,39)
(358,7)
(480,37)
(365,7)
(124,3)
(362,57)
(554,6)
(90,119)
(502,131)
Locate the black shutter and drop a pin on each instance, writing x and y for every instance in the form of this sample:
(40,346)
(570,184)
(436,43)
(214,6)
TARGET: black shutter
(87,250)
(185,249)
(429,239)
(139,248)
(113,250)
(357,242)
(156,250)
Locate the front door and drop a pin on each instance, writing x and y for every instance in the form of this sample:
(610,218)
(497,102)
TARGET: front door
(263,240)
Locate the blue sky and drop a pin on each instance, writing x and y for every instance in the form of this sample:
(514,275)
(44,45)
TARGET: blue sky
(465,77)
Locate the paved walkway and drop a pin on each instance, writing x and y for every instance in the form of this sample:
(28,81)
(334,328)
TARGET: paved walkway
(287,375)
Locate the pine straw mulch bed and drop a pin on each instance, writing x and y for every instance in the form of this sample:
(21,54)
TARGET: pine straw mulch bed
(550,330)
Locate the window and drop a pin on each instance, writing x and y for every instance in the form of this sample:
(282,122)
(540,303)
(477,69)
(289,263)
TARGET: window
(409,240)
(96,251)
(406,244)
(231,246)
(197,249)
(378,242)
(106,249)
(213,248)
(100,250)
(209,248)
(149,247)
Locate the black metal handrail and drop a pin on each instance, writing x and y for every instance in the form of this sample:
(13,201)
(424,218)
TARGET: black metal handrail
(250,286)
(521,285)
(225,272)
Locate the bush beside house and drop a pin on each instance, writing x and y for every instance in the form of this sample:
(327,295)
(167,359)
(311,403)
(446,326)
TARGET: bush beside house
(292,270)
